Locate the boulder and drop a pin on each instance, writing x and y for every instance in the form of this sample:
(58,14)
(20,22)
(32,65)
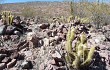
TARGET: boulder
(12,63)
(26,65)
(2,66)
(44,25)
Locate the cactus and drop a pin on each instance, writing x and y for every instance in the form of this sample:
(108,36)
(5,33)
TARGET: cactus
(70,18)
(70,38)
(85,20)
(81,57)
(89,57)
(83,37)
(7,17)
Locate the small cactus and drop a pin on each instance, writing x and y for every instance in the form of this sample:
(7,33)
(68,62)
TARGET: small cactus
(70,38)
(81,57)
(83,37)
(7,17)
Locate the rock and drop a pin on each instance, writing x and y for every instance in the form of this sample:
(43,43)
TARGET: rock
(98,38)
(103,47)
(14,68)
(42,51)
(6,60)
(4,51)
(51,67)
(12,63)
(2,29)
(2,66)
(54,32)
(26,65)
(44,25)
(2,56)
(31,35)
(14,55)
(49,33)
(42,66)
(6,37)
(58,39)
(56,54)
(62,68)
(10,30)
(32,39)
(14,37)
(64,31)
(40,43)
(52,61)
(51,39)
(27,53)
(46,41)
(52,26)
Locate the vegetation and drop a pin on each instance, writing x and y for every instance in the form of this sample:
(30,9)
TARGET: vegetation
(81,56)
(28,12)
(7,17)
(98,11)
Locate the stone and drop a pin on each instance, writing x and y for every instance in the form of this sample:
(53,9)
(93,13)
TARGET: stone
(14,68)
(44,25)
(51,67)
(103,47)
(56,54)
(2,29)
(27,53)
(12,63)
(9,30)
(14,55)
(46,41)
(52,61)
(40,43)
(32,39)
(64,31)
(49,33)
(2,66)
(51,39)
(31,35)
(58,39)
(2,56)
(6,60)
(42,66)
(14,37)
(54,32)
(26,65)
(4,51)
(52,26)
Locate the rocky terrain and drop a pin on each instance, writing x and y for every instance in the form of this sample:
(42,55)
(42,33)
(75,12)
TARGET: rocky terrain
(42,47)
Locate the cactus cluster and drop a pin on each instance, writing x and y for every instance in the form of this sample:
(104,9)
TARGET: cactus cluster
(82,20)
(81,56)
(7,17)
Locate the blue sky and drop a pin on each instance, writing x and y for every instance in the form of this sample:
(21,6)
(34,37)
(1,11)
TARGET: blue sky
(16,1)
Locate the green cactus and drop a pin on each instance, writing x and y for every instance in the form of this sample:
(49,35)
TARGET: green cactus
(81,57)
(89,57)
(7,17)
(70,38)
(76,62)
(83,37)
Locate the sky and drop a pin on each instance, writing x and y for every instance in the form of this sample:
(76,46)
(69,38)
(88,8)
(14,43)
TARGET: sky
(16,1)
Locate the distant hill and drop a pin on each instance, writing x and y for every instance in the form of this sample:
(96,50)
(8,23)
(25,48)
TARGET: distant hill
(41,8)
